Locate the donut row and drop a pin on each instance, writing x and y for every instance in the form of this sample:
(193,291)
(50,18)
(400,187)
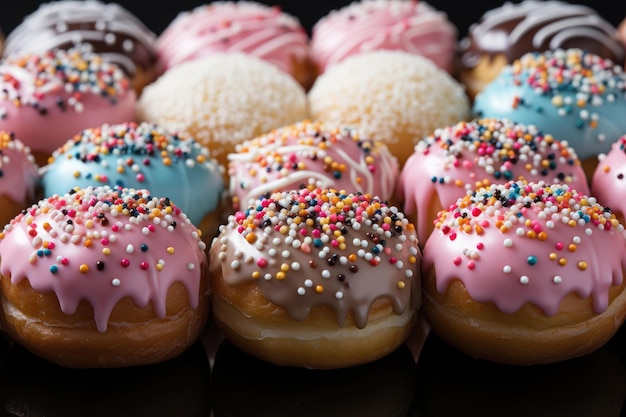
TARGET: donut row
(317,224)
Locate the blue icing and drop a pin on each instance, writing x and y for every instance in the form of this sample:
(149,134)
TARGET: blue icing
(553,107)
(136,156)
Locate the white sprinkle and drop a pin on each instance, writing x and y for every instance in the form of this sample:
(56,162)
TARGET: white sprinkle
(235,264)
(338,295)
(115,282)
(524,280)
(190,266)
(130,248)
(326,274)
(295,266)
(308,283)
(557,279)
(508,243)
(506,269)
(301,291)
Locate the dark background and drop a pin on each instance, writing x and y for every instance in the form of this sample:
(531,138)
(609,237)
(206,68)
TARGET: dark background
(157,14)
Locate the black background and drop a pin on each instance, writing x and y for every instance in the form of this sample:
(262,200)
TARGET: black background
(157,14)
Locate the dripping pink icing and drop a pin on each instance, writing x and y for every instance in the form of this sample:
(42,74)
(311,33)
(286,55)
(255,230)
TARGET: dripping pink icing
(101,245)
(263,31)
(367,25)
(523,242)
(47,98)
(18,170)
(450,163)
(310,154)
(608,183)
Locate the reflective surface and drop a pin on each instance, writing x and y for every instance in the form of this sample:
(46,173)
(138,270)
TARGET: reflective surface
(444,383)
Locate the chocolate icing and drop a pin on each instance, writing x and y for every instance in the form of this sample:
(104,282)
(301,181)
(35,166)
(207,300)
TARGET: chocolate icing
(517,28)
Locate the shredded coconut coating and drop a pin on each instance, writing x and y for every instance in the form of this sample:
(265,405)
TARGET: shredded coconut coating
(223,100)
(391,96)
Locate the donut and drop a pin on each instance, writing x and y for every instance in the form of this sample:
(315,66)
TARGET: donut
(454,160)
(142,155)
(574,95)
(103,277)
(367,25)
(45,99)
(525,273)
(318,278)
(607,183)
(264,31)
(19,177)
(113,32)
(393,97)
(309,154)
(222,100)
(507,32)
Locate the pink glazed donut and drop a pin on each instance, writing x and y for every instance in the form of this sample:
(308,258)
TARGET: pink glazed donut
(47,98)
(18,177)
(263,31)
(103,277)
(525,273)
(608,183)
(454,160)
(367,25)
(309,154)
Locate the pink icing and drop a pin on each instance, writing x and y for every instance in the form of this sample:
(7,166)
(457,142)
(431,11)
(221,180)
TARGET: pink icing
(451,162)
(608,183)
(46,99)
(18,170)
(519,242)
(310,154)
(101,245)
(367,25)
(263,31)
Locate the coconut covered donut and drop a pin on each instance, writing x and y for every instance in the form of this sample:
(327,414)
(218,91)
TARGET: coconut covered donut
(258,29)
(576,96)
(310,154)
(316,278)
(367,25)
(454,160)
(45,99)
(222,100)
(112,31)
(18,177)
(142,155)
(103,277)
(393,97)
(525,273)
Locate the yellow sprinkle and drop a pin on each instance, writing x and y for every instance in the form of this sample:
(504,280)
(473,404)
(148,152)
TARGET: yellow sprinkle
(251,238)
(401,284)
(170,250)
(562,261)
(256,275)
(280,276)
(412,259)
(106,251)
(83,268)
(552,256)
(582,265)
(159,267)
(284,267)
